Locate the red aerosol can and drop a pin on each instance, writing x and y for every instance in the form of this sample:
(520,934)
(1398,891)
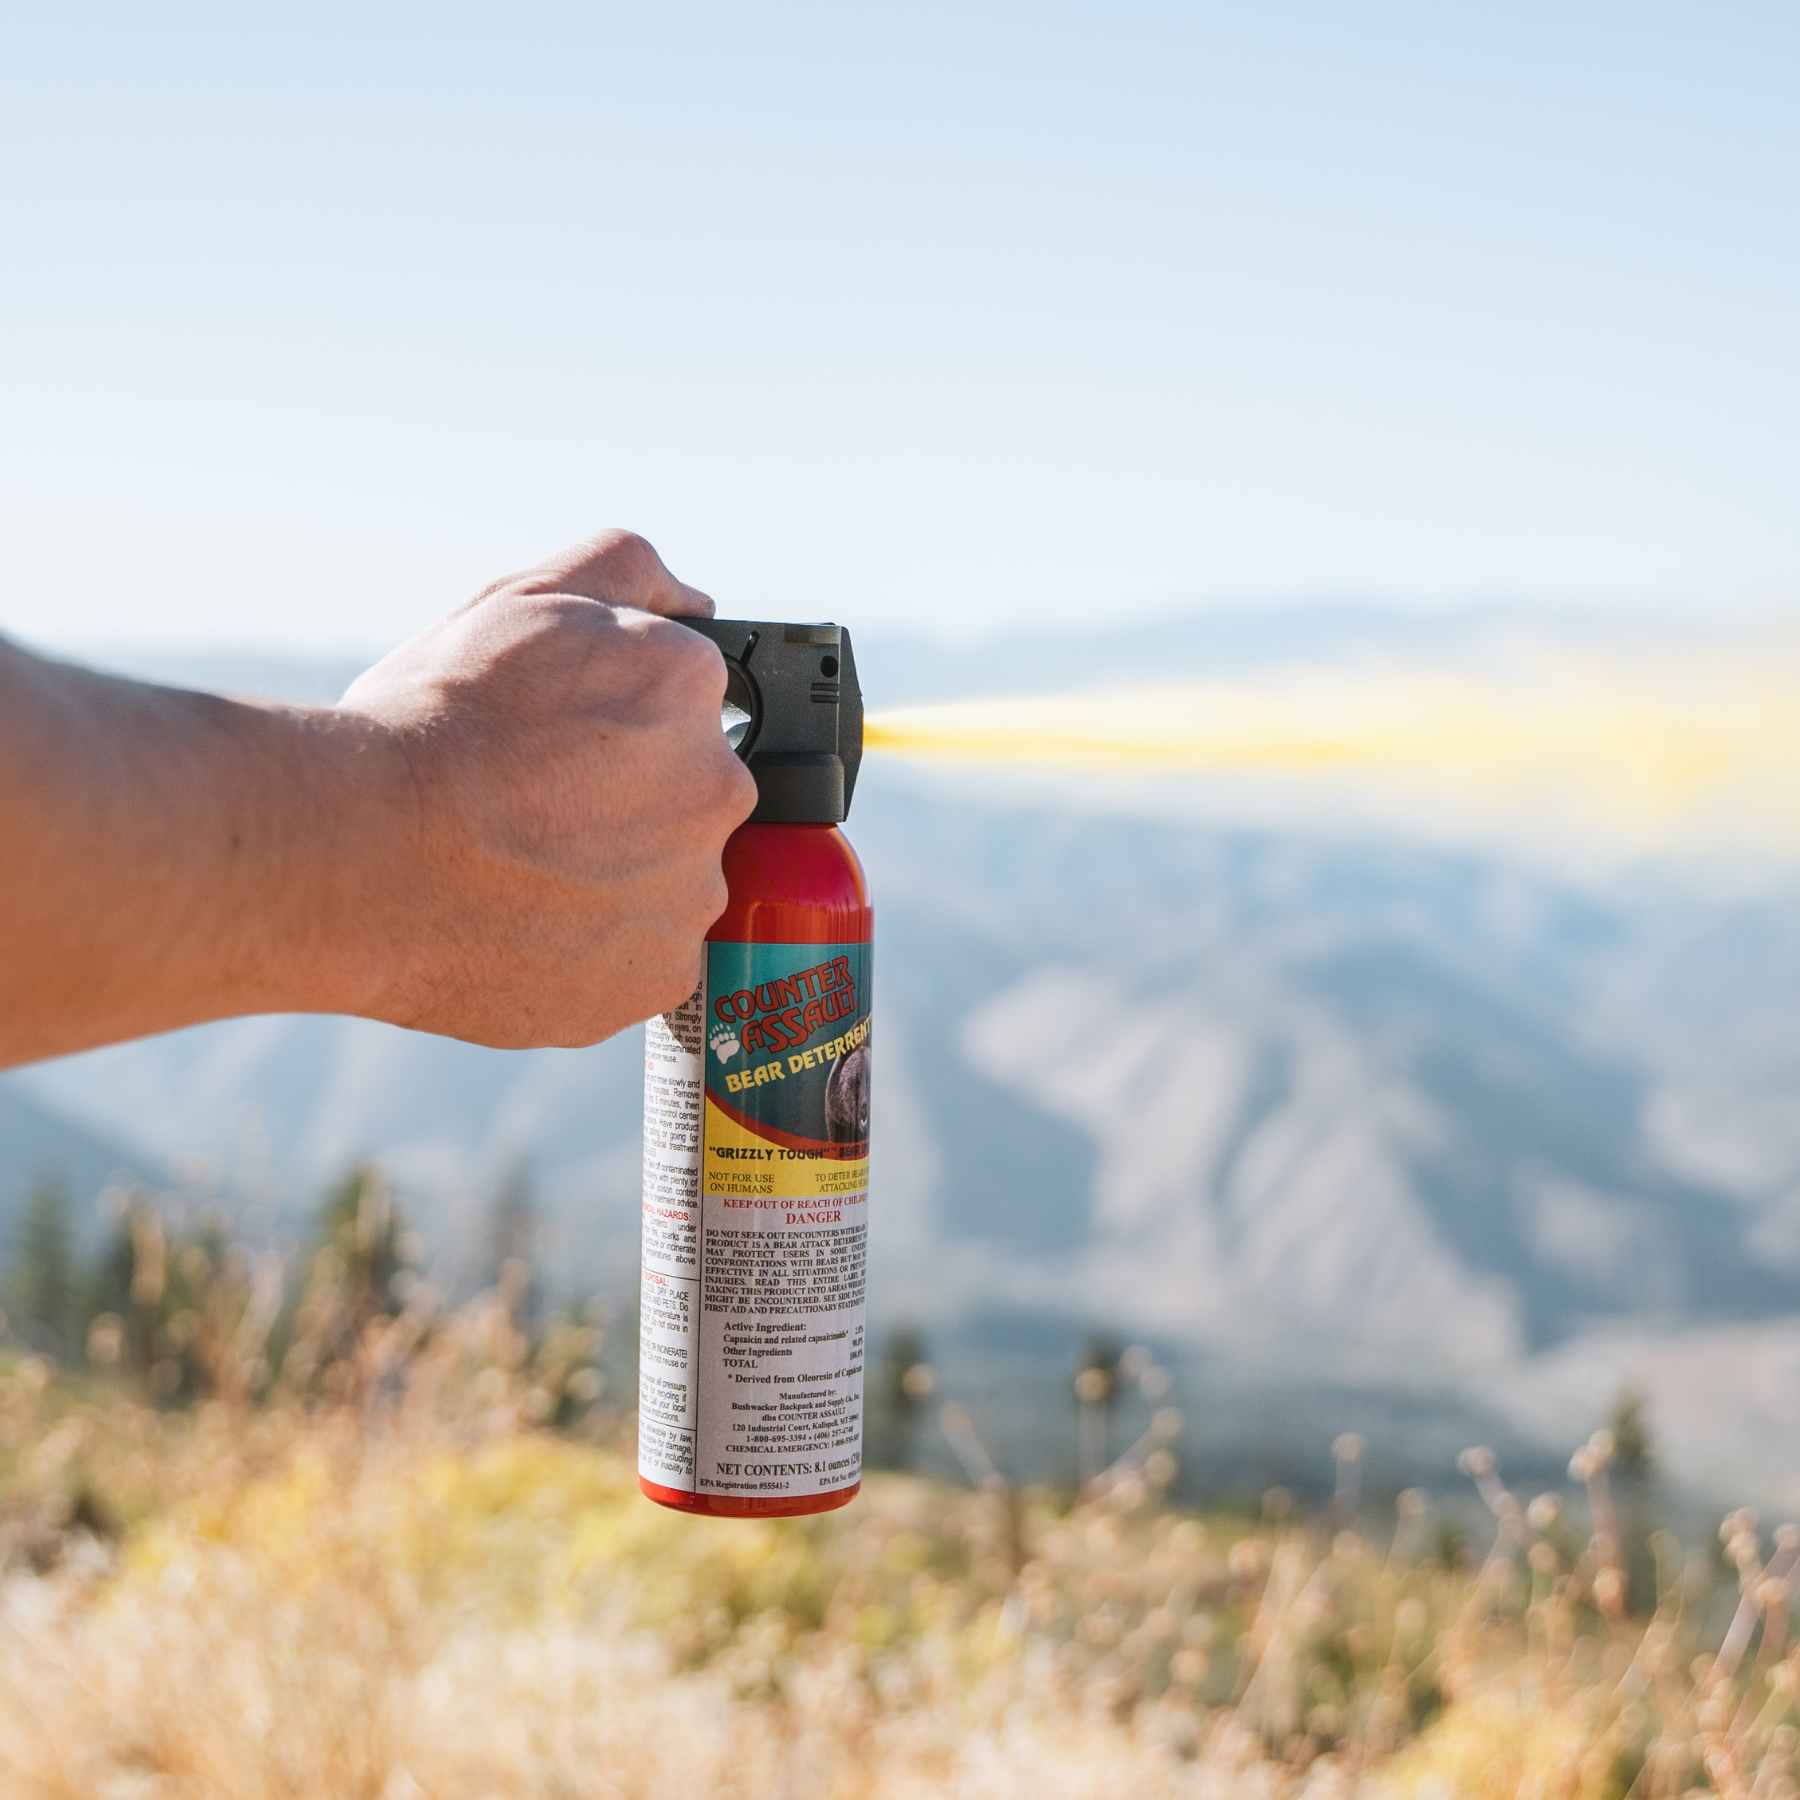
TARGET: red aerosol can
(756,1122)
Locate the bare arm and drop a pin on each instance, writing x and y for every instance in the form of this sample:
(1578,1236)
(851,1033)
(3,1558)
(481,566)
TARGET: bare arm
(508,830)
(174,856)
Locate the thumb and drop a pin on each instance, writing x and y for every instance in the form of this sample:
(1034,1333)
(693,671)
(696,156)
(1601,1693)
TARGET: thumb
(617,567)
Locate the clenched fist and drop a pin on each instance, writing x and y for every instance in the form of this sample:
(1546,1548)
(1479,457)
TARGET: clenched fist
(508,830)
(571,794)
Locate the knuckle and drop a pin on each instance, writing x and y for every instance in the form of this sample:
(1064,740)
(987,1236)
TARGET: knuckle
(703,896)
(737,791)
(633,553)
(630,543)
(715,895)
(692,665)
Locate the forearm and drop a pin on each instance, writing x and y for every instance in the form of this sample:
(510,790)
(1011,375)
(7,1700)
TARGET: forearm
(174,857)
(508,830)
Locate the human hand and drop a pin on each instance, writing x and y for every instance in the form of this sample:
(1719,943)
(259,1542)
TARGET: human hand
(568,792)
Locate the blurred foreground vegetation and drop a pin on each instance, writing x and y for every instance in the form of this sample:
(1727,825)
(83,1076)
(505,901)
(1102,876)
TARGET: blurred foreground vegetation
(324,1534)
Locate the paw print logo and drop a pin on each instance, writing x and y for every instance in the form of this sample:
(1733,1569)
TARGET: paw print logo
(724,1042)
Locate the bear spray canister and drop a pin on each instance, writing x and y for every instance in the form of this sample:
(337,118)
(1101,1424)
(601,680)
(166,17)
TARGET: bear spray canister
(756,1122)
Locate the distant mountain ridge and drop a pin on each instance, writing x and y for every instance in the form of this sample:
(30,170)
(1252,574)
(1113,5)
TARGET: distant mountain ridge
(1444,1123)
(40,1144)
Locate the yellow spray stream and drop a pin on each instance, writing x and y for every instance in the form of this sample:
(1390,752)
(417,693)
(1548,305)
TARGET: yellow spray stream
(1639,746)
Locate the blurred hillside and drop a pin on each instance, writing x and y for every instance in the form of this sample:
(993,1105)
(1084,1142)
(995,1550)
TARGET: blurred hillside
(1480,1127)
(371,1566)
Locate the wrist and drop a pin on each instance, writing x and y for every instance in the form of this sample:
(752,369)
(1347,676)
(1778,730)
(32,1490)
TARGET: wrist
(312,821)
(192,857)
(345,863)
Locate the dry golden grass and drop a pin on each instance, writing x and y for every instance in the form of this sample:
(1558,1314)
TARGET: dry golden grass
(372,1570)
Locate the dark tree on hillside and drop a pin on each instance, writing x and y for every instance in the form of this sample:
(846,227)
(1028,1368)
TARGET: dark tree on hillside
(1633,1468)
(1097,1381)
(42,1289)
(902,1385)
(359,1229)
(352,1280)
(512,1248)
(112,1289)
(1634,1456)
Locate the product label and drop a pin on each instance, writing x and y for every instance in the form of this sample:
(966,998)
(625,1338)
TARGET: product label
(756,1191)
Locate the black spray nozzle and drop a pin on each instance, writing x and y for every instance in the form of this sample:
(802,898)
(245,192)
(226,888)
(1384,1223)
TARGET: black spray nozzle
(794,713)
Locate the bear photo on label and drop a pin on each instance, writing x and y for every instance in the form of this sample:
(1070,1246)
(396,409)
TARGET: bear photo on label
(847,1097)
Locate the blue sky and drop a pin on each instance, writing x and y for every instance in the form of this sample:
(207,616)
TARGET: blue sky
(964,315)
